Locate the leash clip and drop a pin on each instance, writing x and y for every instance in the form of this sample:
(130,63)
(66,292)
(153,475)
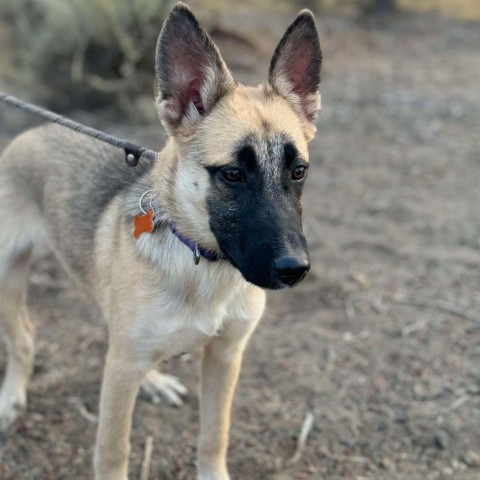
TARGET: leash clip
(196,254)
(132,154)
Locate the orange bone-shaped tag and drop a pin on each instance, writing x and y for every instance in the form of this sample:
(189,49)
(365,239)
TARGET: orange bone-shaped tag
(143,224)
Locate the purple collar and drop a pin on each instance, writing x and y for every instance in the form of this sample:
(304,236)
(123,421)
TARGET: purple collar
(197,250)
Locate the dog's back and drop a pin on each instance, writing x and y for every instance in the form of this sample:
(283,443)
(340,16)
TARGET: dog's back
(54,185)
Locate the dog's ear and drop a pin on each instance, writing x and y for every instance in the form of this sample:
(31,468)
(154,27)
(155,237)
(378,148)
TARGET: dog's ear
(191,74)
(295,68)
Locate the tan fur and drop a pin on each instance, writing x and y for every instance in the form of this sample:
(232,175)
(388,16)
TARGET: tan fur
(250,110)
(137,340)
(171,309)
(246,110)
(307,112)
(19,334)
(156,302)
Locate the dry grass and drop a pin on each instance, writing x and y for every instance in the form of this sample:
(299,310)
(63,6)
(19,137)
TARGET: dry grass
(460,9)
(86,51)
(97,53)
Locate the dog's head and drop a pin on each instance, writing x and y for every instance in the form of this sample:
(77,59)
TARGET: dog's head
(240,153)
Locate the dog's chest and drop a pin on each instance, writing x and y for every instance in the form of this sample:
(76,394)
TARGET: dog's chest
(159,336)
(182,311)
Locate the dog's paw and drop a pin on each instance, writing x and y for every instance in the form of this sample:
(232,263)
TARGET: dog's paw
(208,476)
(160,386)
(11,408)
(212,469)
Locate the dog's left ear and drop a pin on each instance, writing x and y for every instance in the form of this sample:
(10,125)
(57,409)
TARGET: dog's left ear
(295,69)
(191,74)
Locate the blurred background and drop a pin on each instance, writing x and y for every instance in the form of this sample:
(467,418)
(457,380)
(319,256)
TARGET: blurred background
(381,342)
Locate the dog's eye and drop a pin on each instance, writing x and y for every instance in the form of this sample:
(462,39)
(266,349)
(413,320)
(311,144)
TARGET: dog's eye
(299,173)
(233,175)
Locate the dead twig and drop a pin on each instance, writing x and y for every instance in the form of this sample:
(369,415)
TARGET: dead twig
(439,305)
(346,458)
(147,458)
(302,439)
(378,305)
(350,311)
(331,358)
(349,306)
(413,327)
(77,66)
(458,402)
(105,86)
(82,410)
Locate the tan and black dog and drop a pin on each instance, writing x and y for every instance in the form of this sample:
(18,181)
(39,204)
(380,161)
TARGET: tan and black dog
(217,220)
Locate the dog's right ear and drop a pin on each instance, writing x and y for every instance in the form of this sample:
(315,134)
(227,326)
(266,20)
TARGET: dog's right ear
(191,74)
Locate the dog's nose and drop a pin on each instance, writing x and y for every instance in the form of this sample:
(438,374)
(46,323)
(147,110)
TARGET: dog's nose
(292,269)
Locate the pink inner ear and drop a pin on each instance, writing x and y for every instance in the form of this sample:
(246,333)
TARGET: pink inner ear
(193,94)
(297,71)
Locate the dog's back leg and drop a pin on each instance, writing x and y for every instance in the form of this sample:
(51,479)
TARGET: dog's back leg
(18,333)
(20,231)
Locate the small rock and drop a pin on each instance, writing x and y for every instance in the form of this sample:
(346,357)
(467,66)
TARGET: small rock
(458,465)
(471,458)
(348,337)
(387,464)
(400,415)
(361,280)
(442,439)
(474,389)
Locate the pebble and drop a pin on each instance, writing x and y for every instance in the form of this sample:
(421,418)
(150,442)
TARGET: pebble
(471,458)
(442,439)
(387,464)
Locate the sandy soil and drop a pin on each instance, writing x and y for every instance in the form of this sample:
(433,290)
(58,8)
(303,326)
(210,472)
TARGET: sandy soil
(381,342)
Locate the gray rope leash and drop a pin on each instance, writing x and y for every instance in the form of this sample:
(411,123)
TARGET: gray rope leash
(132,152)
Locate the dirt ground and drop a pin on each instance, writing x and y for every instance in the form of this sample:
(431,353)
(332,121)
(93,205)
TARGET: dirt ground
(381,342)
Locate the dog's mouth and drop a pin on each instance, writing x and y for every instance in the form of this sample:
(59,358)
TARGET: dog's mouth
(270,278)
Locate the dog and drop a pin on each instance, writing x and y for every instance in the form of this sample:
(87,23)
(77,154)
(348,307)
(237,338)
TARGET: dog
(177,253)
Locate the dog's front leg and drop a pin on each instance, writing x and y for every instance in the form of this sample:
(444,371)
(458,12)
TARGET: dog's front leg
(220,369)
(119,389)
(222,358)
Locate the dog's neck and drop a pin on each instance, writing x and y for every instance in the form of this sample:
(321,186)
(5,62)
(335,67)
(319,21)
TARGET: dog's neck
(197,250)
(155,191)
